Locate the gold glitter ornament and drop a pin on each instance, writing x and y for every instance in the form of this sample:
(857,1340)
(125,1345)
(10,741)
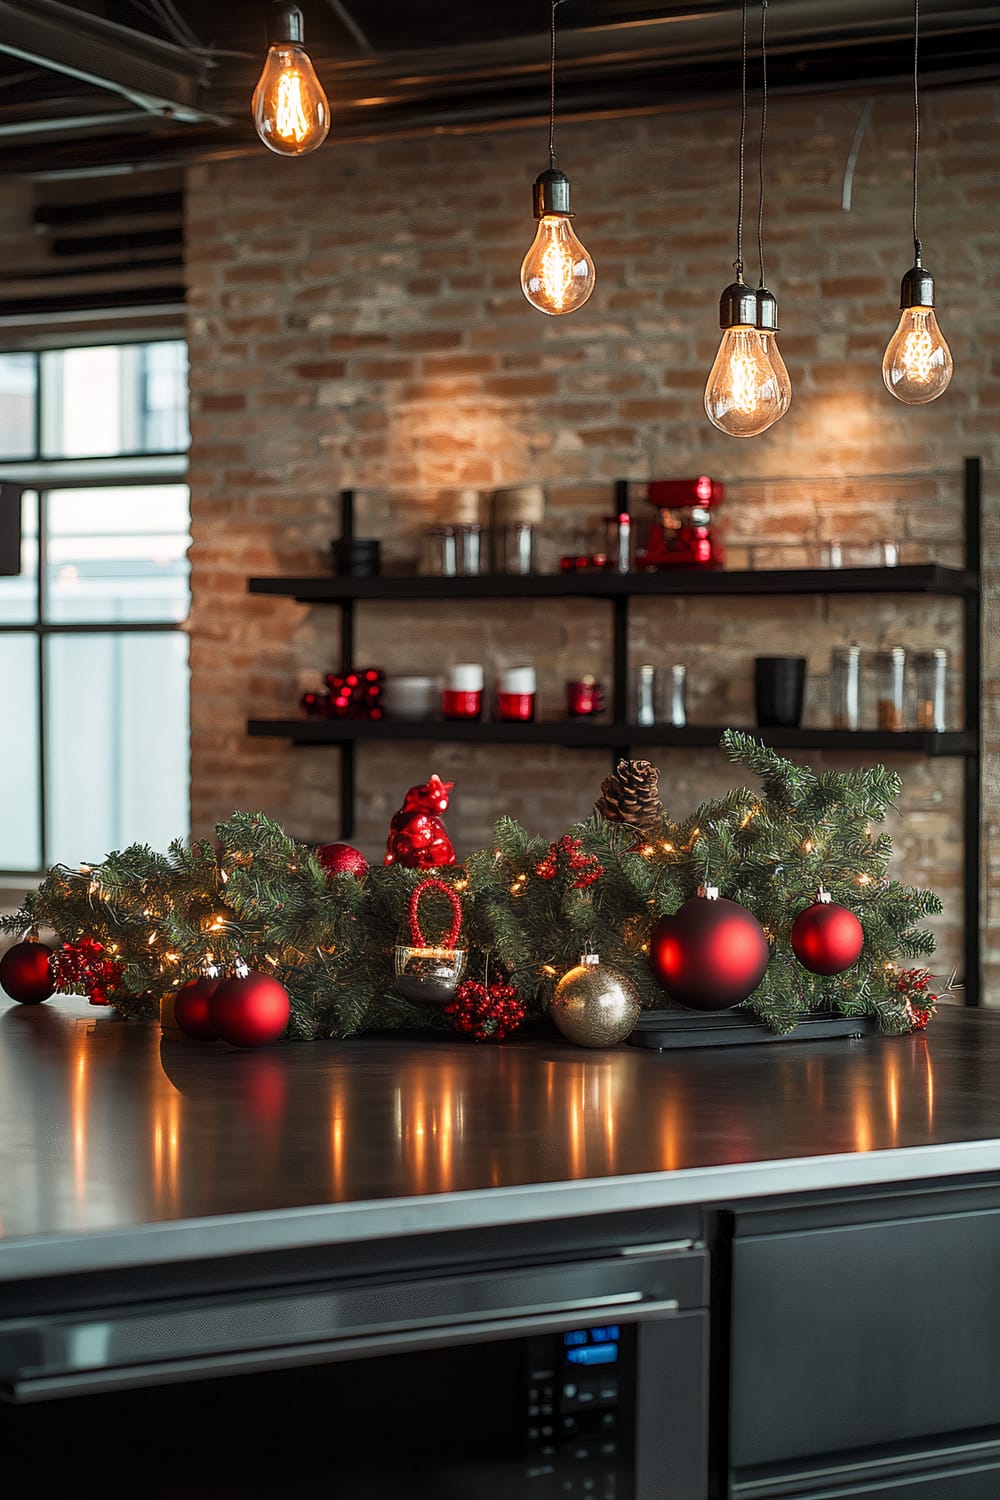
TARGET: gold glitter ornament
(594,1004)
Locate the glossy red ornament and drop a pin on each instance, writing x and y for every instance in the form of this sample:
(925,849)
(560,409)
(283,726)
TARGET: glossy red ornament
(341,859)
(192,1010)
(711,954)
(417,836)
(827,938)
(250,1011)
(25,973)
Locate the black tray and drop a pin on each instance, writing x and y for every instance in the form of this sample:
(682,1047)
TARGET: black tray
(667,1029)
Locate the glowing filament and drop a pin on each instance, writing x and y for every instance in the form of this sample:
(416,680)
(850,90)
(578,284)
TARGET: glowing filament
(557,274)
(917,365)
(290,110)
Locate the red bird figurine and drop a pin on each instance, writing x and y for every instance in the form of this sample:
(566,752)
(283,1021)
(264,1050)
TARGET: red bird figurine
(417,836)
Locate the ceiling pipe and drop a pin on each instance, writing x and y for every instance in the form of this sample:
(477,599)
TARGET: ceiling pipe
(157,76)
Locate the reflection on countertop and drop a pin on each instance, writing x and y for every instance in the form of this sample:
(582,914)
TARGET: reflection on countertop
(108,1124)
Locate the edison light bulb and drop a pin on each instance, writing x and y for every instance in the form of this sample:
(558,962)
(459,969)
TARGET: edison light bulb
(748,387)
(291,113)
(917,364)
(557,274)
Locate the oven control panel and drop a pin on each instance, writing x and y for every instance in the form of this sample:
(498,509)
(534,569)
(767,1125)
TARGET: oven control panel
(579,1416)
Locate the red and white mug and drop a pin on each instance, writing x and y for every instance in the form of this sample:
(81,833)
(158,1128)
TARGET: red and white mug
(515,694)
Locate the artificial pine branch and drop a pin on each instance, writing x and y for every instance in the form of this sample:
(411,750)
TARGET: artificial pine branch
(529,908)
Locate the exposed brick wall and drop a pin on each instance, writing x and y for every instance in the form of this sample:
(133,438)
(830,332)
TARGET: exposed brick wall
(355,320)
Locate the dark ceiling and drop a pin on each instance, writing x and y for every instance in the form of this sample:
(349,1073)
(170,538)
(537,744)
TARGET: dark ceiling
(103,102)
(96,86)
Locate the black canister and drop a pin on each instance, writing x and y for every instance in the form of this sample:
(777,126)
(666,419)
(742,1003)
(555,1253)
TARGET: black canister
(779,689)
(356,557)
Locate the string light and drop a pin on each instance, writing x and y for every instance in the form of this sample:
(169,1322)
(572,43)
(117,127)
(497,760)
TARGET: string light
(557,274)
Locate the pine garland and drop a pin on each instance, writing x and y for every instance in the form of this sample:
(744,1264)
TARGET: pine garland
(530,908)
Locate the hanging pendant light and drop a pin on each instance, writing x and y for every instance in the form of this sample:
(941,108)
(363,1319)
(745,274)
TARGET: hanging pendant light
(917,365)
(291,113)
(748,387)
(557,274)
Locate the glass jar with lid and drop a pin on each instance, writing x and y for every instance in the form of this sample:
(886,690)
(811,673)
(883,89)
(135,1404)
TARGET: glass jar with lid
(930,669)
(890,688)
(845,687)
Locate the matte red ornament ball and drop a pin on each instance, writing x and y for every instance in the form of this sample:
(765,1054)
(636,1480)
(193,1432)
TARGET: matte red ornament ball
(250,1011)
(341,859)
(25,974)
(192,1011)
(710,955)
(827,938)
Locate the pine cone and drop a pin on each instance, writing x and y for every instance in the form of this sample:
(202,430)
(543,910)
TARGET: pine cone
(631,795)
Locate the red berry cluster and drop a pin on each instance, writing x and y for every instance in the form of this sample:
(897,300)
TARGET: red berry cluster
(346,695)
(85,965)
(487,1015)
(568,854)
(914,985)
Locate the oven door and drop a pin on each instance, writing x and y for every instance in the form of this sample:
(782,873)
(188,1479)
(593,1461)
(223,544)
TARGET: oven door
(583,1379)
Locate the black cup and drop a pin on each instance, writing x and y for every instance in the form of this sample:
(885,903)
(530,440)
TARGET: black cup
(779,689)
(356,557)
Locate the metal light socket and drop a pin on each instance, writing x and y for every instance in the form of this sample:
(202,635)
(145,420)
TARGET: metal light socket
(738,306)
(916,288)
(767,311)
(284,24)
(550,194)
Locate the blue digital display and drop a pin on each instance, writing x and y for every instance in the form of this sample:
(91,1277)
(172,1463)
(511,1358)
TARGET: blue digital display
(593,1354)
(592,1336)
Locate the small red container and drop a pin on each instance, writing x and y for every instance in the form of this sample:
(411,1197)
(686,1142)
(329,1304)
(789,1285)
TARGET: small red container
(461,705)
(515,695)
(462,695)
(518,706)
(584,698)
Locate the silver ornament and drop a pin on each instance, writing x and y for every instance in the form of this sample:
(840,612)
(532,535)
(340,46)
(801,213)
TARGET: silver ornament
(594,1004)
(428,976)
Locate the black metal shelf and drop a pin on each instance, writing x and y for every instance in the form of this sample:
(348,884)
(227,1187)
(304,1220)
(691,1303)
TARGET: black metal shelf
(588,736)
(912,578)
(617,736)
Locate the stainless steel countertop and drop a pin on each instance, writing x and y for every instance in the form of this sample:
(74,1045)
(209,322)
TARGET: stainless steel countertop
(120,1147)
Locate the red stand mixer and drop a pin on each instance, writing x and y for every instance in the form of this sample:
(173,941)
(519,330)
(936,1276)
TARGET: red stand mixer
(684,532)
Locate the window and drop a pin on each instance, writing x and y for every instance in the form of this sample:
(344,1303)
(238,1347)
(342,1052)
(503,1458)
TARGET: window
(94,532)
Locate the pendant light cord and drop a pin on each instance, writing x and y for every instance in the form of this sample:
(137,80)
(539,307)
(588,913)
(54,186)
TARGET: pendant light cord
(552,87)
(916,125)
(738,262)
(763,129)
